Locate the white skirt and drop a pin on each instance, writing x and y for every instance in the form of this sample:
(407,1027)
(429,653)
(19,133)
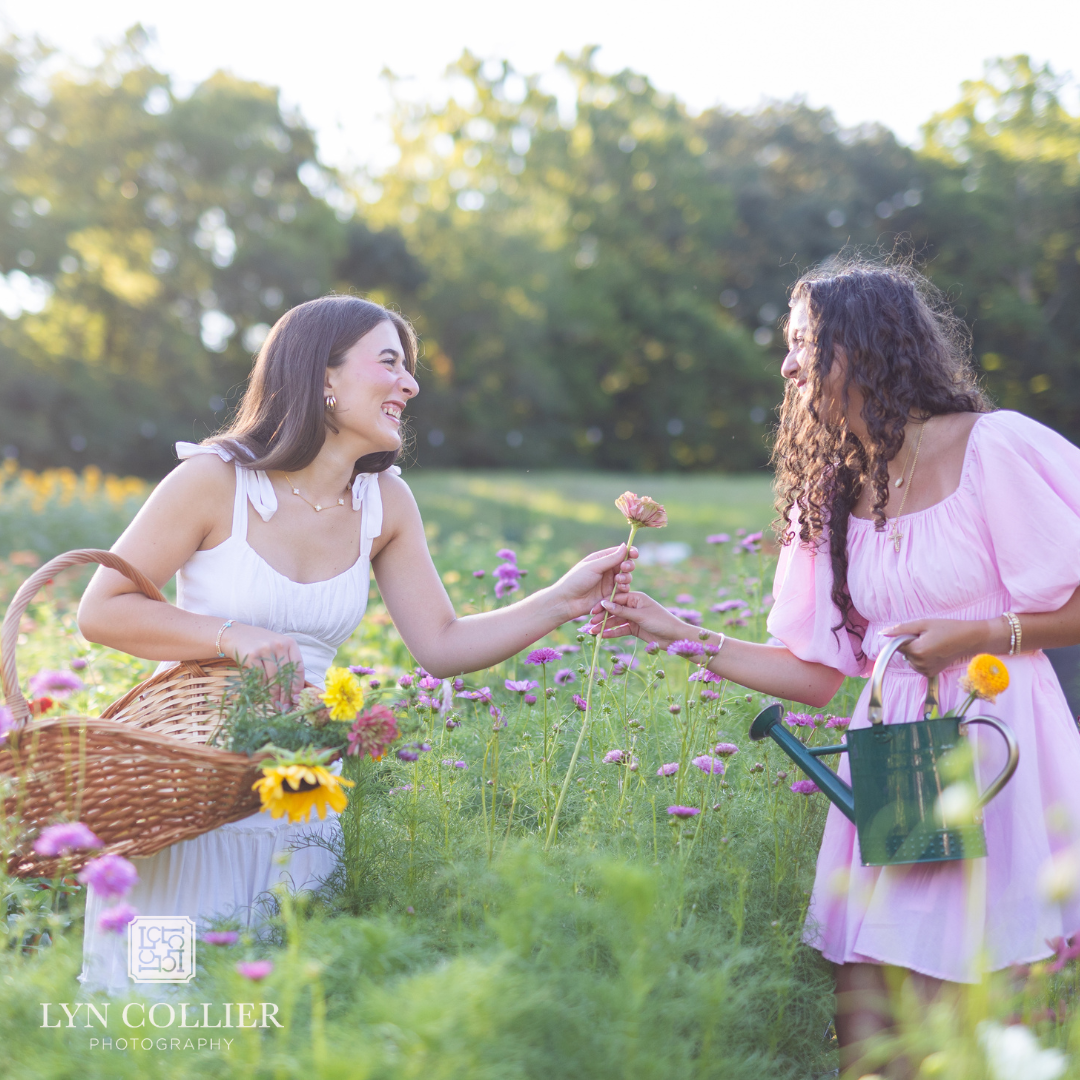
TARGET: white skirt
(223,874)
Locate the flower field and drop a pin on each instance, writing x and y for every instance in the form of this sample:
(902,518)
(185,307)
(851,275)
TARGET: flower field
(657,936)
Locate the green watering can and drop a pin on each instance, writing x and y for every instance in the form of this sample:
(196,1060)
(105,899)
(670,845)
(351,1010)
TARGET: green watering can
(912,795)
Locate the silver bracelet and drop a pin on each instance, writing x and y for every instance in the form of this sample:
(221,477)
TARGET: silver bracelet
(217,644)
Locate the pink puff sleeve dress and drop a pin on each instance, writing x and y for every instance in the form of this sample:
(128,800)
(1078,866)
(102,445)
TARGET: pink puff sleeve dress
(1008,539)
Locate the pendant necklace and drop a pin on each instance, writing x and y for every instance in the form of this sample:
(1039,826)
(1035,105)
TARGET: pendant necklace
(314,506)
(895,535)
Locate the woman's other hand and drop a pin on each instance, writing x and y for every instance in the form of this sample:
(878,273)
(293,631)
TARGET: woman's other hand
(255,647)
(595,578)
(638,614)
(940,642)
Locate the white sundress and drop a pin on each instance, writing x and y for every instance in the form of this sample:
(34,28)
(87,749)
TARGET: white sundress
(224,872)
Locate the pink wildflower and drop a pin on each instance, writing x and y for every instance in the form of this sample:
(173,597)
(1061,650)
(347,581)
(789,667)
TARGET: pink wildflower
(640,510)
(255,970)
(64,839)
(54,684)
(520,686)
(542,656)
(614,757)
(804,787)
(564,676)
(579,703)
(372,733)
(114,919)
(221,937)
(669,769)
(725,749)
(683,811)
(686,648)
(717,538)
(109,875)
(709,764)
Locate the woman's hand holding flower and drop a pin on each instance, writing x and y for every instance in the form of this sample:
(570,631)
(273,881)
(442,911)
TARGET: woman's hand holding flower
(595,578)
(639,615)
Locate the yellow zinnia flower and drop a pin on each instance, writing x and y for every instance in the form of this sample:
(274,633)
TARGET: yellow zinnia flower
(295,789)
(343,695)
(986,677)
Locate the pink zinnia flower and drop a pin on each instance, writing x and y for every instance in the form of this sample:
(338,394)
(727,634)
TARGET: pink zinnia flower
(709,764)
(564,676)
(55,684)
(114,919)
(614,757)
(579,702)
(109,876)
(686,648)
(725,749)
(255,970)
(64,839)
(640,510)
(221,937)
(683,811)
(669,769)
(372,733)
(542,656)
(804,787)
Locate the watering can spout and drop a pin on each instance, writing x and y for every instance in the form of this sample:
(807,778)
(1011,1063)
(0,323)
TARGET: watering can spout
(767,723)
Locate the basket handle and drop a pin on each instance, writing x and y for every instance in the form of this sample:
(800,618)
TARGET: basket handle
(9,632)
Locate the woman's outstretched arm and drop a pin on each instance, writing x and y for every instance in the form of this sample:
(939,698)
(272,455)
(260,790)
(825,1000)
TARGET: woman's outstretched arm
(769,669)
(446,644)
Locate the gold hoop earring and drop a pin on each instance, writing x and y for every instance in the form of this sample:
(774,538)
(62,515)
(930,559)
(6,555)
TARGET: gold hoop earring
(331,402)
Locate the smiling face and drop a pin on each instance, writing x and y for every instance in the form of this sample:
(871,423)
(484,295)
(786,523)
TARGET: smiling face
(372,386)
(798,365)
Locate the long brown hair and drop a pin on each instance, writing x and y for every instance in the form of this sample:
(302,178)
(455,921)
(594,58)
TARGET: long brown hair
(908,355)
(282,420)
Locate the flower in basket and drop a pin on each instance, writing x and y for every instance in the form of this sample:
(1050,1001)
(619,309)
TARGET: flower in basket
(372,733)
(295,782)
(312,704)
(343,695)
(985,678)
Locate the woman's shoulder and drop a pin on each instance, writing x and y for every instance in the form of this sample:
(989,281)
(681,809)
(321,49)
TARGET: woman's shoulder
(203,474)
(1010,432)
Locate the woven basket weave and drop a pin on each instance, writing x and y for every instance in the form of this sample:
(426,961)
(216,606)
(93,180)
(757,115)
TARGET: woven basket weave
(140,776)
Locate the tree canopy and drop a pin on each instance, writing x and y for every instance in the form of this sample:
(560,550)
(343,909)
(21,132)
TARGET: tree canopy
(598,285)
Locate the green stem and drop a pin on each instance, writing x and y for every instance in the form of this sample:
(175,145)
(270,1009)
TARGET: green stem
(553,827)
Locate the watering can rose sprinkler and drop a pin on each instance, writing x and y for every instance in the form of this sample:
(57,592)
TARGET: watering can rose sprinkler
(912,796)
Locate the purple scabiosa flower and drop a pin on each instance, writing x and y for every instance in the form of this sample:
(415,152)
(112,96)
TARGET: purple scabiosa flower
(109,876)
(407,753)
(426,701)
(674,708)
(359,669)
(709,695)
(728,605)
(804,787)
(113,920)
(562,650)
(740,531)
(767,600)
(506,553)
(78,664)
(461,764)
(687,615)
(55,684)
(626,660)
(684,598)
(374,684)
(652,648)
(614,757)
(683,811)
(64,839)
(221,937)
(750,544)
(686,648)
(725,749)
(542,656)
(709,764)
(255,970)
(564,676)
(459,684)
(735,622)
(479,573)
(497,716)
(579,703)
(838,722)
(717,538)
(799,719)
(405,682)
(452,722)
(429,682)
(529,699)
(482,695)
(670,769)
(520,686)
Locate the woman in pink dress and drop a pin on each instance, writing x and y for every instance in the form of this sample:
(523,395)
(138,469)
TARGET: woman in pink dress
(948,519)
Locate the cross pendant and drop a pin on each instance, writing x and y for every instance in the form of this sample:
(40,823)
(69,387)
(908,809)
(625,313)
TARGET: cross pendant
(896,536)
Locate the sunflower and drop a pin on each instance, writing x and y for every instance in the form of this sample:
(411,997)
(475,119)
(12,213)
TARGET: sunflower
(986,677)
(294,788)
(343,695)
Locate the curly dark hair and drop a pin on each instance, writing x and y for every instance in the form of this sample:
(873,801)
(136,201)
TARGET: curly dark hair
(908,355)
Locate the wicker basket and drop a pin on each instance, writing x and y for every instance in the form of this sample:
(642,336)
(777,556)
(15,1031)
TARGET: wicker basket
(140,776)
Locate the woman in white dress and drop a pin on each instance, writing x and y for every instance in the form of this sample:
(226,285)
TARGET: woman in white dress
(311,450)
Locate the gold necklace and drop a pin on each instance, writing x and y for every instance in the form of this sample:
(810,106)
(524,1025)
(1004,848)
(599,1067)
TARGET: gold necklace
(896,535)
(314,506)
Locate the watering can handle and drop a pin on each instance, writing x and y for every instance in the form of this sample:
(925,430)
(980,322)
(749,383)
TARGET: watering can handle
(1014,755)
(878,677)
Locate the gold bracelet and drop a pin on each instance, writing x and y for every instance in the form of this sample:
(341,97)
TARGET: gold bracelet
(1016,632)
